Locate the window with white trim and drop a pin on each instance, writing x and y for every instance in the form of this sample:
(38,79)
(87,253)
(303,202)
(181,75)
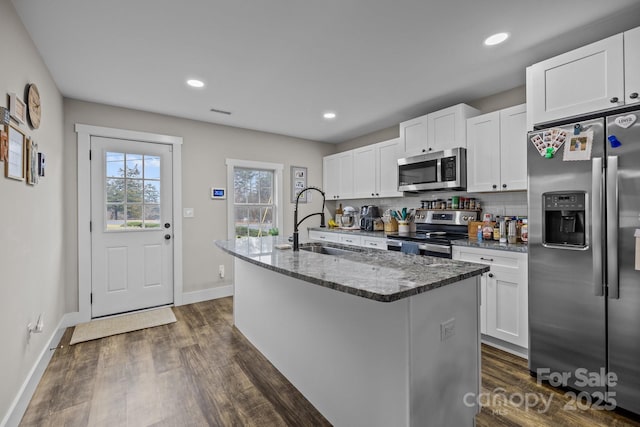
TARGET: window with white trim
(255,198)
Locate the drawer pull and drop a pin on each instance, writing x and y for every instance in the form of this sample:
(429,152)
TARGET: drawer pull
(486,259)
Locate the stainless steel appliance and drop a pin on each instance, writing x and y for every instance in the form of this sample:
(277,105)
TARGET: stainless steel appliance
(435,229)
(368,215)
(584,289)
(439,170)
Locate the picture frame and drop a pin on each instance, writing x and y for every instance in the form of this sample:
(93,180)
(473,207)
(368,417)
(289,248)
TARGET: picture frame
(298,183)
(4,142)
(14,165)
(31,162)
(17,109)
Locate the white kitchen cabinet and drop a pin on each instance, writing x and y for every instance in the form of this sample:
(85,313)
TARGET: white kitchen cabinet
(349,238)
(324,236)
(584,80)
(337,179)
(632,65)
(497,151)
(374,242)
(375,170)
(504,306)
(439,130)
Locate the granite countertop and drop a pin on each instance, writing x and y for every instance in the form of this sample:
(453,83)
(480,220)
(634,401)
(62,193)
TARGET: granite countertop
(485,244)
(493,245)
(384,276)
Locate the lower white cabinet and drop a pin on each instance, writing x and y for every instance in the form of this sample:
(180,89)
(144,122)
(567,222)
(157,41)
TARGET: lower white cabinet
(504,309)
(324,236)
(349,238)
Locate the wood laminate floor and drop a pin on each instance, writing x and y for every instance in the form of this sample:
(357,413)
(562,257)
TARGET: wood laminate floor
(200,371)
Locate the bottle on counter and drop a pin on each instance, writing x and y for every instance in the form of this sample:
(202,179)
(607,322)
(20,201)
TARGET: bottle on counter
(455,202)
(496,229)
(503,230)
(512,233)
(479,233)
(339,214)
(524,231)
(487,228)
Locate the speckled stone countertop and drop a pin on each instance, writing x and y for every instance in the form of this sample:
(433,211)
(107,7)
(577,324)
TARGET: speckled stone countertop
(384,276)
(359,232)
(493,245)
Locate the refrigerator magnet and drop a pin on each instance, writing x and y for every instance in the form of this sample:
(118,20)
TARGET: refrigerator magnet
(578,147)
(615,143)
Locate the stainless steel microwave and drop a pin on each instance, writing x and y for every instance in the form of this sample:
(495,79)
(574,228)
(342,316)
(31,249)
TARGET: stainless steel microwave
(439,170)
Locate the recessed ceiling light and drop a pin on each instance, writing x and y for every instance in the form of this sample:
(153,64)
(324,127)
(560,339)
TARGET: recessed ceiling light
(195,83)
(496,39)
(329,115)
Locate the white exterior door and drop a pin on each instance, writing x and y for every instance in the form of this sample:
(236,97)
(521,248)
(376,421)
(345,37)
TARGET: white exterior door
(131,225)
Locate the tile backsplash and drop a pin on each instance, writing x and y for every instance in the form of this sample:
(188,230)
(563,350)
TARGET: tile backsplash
(500,203)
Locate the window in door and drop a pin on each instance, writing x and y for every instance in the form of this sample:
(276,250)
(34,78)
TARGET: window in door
(132,184)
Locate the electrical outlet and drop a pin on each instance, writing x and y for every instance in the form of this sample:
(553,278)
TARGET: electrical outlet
(447,329)
(221,270)
(188,213)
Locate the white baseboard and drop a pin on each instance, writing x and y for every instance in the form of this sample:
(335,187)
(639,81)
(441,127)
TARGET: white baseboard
(506,346)
(22,399)
(207,294)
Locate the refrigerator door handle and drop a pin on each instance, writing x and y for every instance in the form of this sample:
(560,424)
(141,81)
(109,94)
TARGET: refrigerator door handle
(596,224)
(612,227)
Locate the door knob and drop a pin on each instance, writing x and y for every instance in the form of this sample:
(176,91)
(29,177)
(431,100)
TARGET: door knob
(167,236)
(167,225)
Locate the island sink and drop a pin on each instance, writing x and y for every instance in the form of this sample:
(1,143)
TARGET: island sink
(320,248)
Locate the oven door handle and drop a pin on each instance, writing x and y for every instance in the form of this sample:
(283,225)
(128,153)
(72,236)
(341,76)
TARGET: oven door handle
(435,248)
(394,243)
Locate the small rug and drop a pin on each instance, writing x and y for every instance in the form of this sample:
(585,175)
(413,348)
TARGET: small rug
(101,328)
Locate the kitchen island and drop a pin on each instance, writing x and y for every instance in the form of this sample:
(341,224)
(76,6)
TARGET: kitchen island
(371,338)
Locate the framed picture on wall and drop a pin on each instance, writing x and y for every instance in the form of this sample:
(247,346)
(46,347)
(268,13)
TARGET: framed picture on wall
(298,183)
(17,109)
(32,162)
(14,165)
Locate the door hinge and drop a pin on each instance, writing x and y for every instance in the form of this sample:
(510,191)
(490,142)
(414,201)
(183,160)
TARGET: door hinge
(91,298)
(90,226)
(89,154)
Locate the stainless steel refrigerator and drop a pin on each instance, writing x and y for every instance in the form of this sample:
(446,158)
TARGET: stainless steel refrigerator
(584,285)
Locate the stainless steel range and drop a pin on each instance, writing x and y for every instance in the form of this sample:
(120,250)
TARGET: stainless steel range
(435,229)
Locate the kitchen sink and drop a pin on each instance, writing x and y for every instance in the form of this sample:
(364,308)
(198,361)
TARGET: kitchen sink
(319,248)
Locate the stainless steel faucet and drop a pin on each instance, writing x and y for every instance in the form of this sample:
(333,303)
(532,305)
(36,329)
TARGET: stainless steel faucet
(296,224)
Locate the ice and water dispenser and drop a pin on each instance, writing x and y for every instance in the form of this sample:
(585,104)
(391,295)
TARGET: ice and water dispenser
(564,219)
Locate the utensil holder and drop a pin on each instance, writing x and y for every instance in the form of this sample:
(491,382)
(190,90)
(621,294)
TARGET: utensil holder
(390,224)
(404,227)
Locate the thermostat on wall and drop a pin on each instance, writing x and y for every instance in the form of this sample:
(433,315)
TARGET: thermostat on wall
(218,193)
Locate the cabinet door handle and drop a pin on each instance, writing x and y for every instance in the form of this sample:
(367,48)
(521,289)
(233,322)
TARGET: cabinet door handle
(634,95)
(377,194)
(423,150)
(490,274)
(372,194)
(486,259)
(504,185)
(614,100)
(495,186)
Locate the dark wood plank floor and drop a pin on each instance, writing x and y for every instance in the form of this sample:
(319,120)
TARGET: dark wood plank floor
(200,371)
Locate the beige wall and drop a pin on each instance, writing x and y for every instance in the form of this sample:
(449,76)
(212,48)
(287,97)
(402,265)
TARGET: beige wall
(32,236)
(205,148)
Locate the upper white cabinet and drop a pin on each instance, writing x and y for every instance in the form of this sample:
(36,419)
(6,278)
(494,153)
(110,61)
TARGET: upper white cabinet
(497,151)
(632,65)
(436,131)
(337,179)
(375,170)
(602,75)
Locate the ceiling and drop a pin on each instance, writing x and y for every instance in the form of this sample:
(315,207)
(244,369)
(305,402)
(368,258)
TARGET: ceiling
(278,65)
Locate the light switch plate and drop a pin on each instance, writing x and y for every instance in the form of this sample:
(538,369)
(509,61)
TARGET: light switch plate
(188,213)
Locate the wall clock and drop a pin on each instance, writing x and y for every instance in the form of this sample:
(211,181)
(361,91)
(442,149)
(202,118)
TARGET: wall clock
(34,108)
